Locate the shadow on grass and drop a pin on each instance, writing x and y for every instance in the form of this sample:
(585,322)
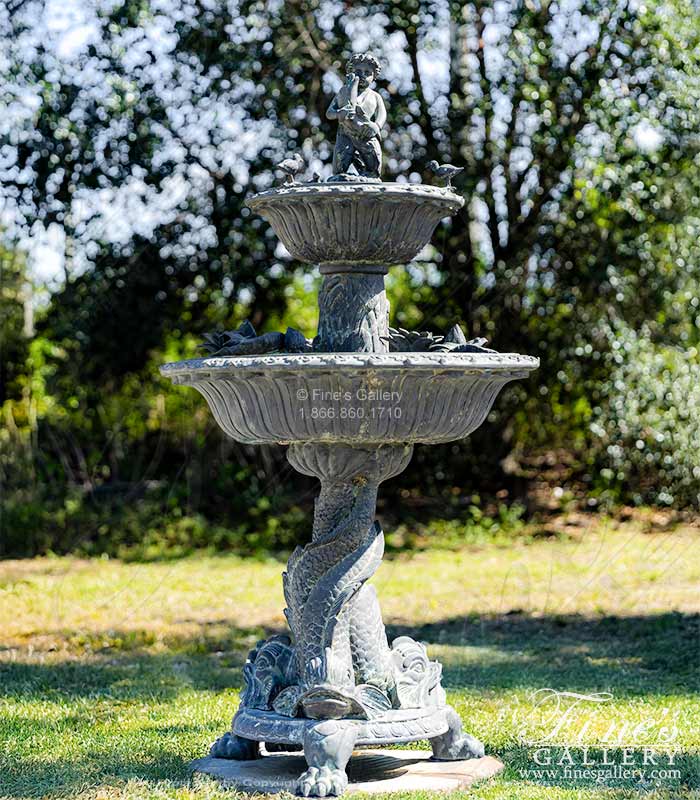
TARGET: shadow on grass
(204,663)
(101,740)
(36,777)
(56,698)
(656,654)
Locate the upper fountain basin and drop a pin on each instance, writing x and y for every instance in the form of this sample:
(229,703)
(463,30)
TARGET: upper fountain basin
(351,398)
(364,227)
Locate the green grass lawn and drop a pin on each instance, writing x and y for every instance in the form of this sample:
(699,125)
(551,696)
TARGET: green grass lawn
(113,676)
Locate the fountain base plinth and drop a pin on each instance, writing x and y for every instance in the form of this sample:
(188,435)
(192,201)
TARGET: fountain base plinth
(369,771)
(328,745)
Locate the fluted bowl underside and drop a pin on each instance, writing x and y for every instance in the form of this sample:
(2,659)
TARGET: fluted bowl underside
(351,398)
(355,223)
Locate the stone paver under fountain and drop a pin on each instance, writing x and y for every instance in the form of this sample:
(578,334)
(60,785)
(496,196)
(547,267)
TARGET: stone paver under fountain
(350,404)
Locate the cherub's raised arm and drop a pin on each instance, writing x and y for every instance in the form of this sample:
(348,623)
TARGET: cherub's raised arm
(332,111)
(380,118)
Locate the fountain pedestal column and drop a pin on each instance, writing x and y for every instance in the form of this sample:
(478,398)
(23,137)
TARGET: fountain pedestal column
(353,313)
(343,659)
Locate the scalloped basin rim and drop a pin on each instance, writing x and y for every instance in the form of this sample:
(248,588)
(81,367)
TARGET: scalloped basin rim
(469,362)
(397,190)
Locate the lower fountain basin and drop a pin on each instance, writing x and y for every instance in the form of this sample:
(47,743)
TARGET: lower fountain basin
(351,398)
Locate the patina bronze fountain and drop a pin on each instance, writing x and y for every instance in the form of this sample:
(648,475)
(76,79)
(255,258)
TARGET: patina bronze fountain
(349,404)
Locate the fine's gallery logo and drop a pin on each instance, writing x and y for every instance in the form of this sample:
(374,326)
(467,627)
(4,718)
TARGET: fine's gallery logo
(572,736)
(363,402)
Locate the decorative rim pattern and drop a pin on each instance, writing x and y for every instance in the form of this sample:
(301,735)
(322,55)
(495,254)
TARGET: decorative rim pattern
(513,365)
(397,190)
(401,725)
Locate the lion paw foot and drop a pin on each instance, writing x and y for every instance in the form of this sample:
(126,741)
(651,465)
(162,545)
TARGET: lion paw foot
(467,746)
(455,744)
(322,782)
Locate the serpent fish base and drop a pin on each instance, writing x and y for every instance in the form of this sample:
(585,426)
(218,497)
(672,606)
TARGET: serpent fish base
(341,664)
(336,683)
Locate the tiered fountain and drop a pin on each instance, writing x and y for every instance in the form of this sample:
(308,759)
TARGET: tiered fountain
(350,404)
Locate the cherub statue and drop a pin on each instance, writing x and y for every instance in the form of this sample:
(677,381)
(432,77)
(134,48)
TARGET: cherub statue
(361,114)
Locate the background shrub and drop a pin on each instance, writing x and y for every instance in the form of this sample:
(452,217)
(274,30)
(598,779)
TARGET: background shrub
(648,425)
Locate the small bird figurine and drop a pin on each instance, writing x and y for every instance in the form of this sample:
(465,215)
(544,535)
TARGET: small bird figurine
(445,172)
(290,167)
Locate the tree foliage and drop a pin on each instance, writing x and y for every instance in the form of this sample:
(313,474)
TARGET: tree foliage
(576,122)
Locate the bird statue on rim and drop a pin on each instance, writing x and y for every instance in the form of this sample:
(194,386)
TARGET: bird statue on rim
(444,172)
(291,167)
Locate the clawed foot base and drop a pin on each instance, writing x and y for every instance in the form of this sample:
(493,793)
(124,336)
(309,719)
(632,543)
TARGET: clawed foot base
(455,744)
(463,748)
(322,782)
(327,748)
